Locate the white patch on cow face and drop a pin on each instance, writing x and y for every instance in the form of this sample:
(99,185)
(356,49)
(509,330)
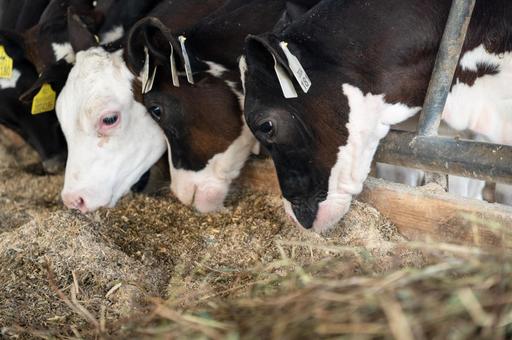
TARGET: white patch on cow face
(10,83)
(207,189)
(370,119)
(64,51)
(102,167)
(114,34)
(485,107)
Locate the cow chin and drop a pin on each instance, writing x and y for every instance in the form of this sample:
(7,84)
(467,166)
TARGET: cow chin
(199,189)
(207,189)
(329,213)
(88,195)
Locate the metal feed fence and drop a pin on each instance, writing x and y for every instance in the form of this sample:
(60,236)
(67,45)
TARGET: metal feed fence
(426,150)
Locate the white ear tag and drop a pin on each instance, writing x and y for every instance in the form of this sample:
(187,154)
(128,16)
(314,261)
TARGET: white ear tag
(174,71)
(151,81)
(296,67)
(285,81)
(188,68)
(145,71)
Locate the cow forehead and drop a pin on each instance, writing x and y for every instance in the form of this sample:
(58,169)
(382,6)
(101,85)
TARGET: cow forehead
(98,82)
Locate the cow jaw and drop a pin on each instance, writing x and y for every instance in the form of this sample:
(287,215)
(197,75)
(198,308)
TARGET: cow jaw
(370,119)
(206,189)
(102,168)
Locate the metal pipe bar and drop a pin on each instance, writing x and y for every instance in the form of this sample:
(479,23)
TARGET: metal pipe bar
(445,66)
(489,162)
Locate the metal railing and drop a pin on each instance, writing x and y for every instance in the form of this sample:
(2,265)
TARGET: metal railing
(428,151)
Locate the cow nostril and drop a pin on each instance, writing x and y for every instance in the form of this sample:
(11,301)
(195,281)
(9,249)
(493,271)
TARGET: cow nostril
(75,202)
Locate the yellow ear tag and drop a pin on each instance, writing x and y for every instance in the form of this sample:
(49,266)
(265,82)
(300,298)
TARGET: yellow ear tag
(44,101)
(6,64)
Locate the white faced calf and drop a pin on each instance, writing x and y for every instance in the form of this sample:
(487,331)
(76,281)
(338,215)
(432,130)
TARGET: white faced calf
(203,122)
(112,141)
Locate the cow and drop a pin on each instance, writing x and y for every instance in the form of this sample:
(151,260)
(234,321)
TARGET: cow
(111,138)
(348,80)
(120,16)
(208,141)
(41,131)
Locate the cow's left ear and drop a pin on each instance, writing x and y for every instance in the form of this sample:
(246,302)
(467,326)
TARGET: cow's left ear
(56,75)
(80,36)
(264,48)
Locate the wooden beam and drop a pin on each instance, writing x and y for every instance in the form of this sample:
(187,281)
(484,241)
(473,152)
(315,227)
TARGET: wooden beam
(426,213)
(429,213)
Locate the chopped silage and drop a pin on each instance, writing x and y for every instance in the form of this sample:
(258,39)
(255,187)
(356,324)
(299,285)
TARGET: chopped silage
(152,266)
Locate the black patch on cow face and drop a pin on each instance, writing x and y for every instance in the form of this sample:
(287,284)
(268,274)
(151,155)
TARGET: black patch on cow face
(302,135)
(199,120)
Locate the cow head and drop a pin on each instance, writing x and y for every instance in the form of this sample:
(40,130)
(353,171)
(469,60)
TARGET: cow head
(112,140)
(208,140)
(322,142)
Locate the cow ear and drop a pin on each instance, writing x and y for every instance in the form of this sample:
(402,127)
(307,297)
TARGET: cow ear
(80,36)
(13,43)
(292,13)
(295,11)
(264,48)
(151,33)
(56,75)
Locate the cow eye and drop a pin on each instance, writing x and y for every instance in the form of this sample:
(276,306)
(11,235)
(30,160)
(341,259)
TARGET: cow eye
(156,112)
(267,128)
(110,120)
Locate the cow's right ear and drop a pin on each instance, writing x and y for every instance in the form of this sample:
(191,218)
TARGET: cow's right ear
(80,36)
(56,75)
(152,34)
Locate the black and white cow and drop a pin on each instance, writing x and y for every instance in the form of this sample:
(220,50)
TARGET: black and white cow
(111,138)
(41,131)
(202,116)
(369,64)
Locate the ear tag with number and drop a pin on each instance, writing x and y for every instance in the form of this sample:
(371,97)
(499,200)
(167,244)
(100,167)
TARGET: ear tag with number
(296,67)
(284,80)
(145,70)
(174,71)
(6,64)
(44,101)
(188,68)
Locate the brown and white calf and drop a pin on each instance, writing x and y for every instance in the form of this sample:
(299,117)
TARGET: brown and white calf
(366,72)
(202,115)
